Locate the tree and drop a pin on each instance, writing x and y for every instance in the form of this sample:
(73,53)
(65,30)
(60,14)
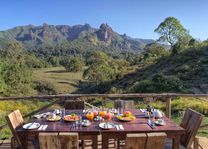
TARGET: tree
(98,57)
(74,65)
(99,73)
(172,31)
(103,68)
(155,50)
(17,79)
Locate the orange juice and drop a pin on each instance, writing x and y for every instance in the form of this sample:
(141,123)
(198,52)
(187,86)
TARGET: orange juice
(90,116)
(102,113)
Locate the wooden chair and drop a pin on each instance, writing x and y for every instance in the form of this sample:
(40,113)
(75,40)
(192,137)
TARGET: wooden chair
(14,120)
(191,123)
(58,141)
(145,141)
(129,104)
(118,104)
(155,140)
(74,104)
(124,104)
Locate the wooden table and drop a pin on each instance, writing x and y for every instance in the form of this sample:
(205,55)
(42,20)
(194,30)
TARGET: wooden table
(91,132)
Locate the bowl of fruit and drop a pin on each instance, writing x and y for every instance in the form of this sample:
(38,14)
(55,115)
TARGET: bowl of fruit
(126,117)
(71,118)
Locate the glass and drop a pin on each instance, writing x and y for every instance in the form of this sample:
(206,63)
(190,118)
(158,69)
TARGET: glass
(80,121)
(63,112)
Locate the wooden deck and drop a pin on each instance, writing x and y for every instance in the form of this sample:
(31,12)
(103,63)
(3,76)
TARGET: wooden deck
(203,141)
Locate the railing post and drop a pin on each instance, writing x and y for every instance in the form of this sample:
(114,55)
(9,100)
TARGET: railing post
(168,108)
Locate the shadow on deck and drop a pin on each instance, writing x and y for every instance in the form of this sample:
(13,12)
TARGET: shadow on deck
(203,142)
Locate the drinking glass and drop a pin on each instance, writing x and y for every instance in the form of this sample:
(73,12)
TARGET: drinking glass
(63,112)
(80,121)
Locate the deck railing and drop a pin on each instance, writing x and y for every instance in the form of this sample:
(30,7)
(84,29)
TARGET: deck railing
(150,96)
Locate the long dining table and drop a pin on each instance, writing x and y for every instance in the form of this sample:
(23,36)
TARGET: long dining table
(139,125)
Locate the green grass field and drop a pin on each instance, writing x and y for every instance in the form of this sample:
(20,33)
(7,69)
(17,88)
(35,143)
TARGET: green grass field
(64,82)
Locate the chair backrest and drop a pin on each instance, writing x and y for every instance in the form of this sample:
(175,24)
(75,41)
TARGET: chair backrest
(155,140)
(14,120)
(129,104)
(58,140)
(74,104)
(118,104)
(145,141)
(191,123)
(136,141)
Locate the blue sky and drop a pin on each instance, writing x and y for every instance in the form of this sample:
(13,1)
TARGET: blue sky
(136,18)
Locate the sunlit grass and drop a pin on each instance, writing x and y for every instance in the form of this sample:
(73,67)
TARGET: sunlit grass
(64,82)
(25,106)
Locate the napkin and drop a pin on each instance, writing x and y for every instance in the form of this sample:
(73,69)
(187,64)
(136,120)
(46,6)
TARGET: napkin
(121,127)
(41,127)
(44,127)
(142,110)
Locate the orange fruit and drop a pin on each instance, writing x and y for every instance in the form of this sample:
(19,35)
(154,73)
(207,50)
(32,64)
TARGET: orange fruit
(102,113)
(90,116)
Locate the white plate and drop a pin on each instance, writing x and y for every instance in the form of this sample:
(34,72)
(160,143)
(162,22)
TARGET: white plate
(160,123)
(31,126)
(106,125)
(86,124)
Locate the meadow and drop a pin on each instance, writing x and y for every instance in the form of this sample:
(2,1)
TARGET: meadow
(63,82)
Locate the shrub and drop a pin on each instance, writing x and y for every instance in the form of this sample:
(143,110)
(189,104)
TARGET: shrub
(44,88)
(74,65)
(159,83)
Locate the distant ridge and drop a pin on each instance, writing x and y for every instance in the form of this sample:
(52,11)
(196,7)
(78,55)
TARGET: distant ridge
(46,34)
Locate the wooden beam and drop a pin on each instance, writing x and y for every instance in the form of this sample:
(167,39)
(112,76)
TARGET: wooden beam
(168,108)
(132,95)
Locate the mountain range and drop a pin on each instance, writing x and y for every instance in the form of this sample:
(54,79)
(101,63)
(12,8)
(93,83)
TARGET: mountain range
(104,36)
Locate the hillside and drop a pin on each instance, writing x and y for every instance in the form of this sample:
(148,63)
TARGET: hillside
(50,35)
(186,72)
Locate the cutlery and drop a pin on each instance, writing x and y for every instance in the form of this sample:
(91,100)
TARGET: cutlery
(151,125)
(72,127)
(41,127)
(117,127)
(30,125)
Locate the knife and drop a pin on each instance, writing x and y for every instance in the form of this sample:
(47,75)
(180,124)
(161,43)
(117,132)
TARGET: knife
(151,125)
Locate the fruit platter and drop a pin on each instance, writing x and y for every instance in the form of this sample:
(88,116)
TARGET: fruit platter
(53,118)
(126,117)
(71,118)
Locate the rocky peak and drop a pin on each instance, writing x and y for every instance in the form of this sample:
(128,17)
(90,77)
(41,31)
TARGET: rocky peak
(87,27)
(105,33)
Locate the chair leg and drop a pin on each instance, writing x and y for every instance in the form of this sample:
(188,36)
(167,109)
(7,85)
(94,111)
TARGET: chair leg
(196,143)
(13,144)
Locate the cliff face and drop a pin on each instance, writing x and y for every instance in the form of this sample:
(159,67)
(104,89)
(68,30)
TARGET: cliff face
(105,33)
(31,35)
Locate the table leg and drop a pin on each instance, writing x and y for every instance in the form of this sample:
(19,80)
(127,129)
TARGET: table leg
(24,142)
(105,140)
(176,142)
(95,142)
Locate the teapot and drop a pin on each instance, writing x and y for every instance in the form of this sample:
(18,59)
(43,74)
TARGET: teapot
(157,113)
